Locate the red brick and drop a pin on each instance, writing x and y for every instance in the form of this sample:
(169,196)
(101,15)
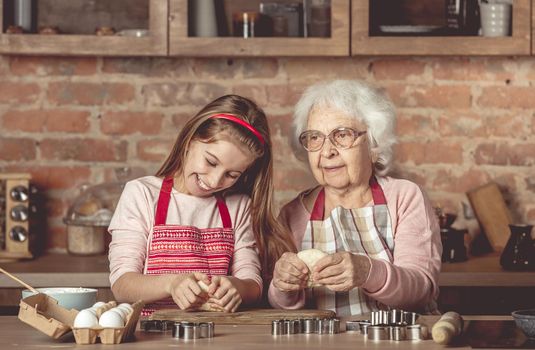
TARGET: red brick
(471,68)
(216,68)
(46,66)
(285,95)
(56,208)
(507,125)
(455,122)
(154,150)
(57,238)
(59,120)
(124,123)
(260,68)
(415,125)
(505,154)
(434,152)
(312,69)
(53,178)
(455,181)
(11,92)
(430,96)
(149,67)
(167,94)
(180,119)
(507,97)
(83,150)
(397,69)
(17,149)
(254,92)
(89,94)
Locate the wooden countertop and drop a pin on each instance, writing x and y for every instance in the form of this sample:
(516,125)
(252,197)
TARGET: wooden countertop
(16,334)
(92,271)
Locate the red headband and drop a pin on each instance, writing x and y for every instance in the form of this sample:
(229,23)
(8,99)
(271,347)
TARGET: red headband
(242,123)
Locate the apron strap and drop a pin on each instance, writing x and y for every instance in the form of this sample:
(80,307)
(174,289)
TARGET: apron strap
(223,212)
(163,201)
(378,197)
(377,192)
(165,197)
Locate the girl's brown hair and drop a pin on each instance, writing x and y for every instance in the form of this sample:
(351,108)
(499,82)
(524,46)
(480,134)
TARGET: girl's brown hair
(272,240)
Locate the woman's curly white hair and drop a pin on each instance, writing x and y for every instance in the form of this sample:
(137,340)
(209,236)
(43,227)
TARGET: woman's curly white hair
(357,99)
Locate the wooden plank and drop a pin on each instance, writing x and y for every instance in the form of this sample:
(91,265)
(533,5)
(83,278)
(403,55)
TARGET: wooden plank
(261,316)
(492,214)
(182,45)
(517,44)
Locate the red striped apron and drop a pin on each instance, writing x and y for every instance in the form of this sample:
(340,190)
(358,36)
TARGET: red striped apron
(175,249)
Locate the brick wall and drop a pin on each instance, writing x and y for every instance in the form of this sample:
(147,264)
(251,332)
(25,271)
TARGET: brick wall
(462,121)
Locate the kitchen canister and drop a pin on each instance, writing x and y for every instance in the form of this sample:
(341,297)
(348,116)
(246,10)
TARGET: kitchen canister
(203,15)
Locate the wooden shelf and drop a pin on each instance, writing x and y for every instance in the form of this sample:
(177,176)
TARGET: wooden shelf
(155,44)
(182,45)
(364,44)
(483,271)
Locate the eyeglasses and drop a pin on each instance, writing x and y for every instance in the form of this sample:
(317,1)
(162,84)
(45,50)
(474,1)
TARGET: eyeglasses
(342,138)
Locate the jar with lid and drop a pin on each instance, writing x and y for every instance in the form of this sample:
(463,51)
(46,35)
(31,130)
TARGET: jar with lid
(90,214)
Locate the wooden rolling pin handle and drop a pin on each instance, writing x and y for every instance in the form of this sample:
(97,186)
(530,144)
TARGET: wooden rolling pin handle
(448,327)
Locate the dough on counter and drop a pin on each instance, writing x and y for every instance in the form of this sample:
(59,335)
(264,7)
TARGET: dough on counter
(206,306)
(310,257)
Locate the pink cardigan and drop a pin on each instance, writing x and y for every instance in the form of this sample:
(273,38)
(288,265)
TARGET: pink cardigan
(411,282)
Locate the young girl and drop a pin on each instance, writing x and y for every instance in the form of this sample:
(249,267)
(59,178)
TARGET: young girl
(206,216)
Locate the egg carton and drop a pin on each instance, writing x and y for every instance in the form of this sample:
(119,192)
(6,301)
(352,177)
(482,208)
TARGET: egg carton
(43,313)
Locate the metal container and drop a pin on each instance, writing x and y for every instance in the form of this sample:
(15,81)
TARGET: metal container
(290,327)
(378,333)
(207,329)
(397,333)
(353,326)
(308,326)
(414,332)
(277,327)
(190,331)
(334,326)
(364,327)
(396,317)
(323,326)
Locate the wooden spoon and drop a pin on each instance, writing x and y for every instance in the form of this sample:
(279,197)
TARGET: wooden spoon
(19,281)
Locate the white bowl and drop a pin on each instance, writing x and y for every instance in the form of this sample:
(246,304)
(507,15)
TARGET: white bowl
(68,297)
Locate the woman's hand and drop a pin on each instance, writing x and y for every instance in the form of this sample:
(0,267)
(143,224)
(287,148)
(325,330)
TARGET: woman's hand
(186,292)
(290,273)
(342,271)
(223,294)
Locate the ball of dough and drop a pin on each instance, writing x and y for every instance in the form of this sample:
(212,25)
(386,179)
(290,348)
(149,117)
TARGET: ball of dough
(310,257)
(206,306)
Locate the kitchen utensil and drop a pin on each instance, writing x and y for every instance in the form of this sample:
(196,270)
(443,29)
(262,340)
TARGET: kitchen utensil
(352,326)
(19,281)
(68,297)
(519,252)
(449,326)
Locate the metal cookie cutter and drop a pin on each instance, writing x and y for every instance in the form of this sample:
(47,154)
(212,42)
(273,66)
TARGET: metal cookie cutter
(191,330)
(323,326)
(378,333)
(364,327)
(397,333)
(353,326)
(276,327)
(308,326)
(290,327)
(334,326)
(156,325)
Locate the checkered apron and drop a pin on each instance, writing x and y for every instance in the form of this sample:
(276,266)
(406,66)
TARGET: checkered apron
(187,249)
(366,230)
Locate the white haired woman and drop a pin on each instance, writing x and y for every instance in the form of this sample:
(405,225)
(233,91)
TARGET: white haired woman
(380,234)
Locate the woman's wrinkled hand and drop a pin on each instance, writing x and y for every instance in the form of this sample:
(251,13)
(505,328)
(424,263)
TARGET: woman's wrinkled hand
(342,271)
(186,292)
(290,273)
(223,294)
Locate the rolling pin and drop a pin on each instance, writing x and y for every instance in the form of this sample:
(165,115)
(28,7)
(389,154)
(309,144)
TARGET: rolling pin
(448,327)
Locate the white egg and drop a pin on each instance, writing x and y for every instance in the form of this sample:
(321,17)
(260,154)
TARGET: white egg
(85,319)
(111,319)
(126,306)
(121,311)
(92,310)
(98,304)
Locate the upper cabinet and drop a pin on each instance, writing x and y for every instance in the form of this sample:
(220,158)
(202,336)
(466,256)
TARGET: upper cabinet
(430,27)
(259,28)
(81,27)
(277,28)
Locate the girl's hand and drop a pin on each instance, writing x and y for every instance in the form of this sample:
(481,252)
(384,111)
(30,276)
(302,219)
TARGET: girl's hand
(342,271)
(223,294)
(186,292)
(290,273)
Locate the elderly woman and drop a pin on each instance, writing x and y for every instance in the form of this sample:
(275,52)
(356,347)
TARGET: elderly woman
(380,233)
